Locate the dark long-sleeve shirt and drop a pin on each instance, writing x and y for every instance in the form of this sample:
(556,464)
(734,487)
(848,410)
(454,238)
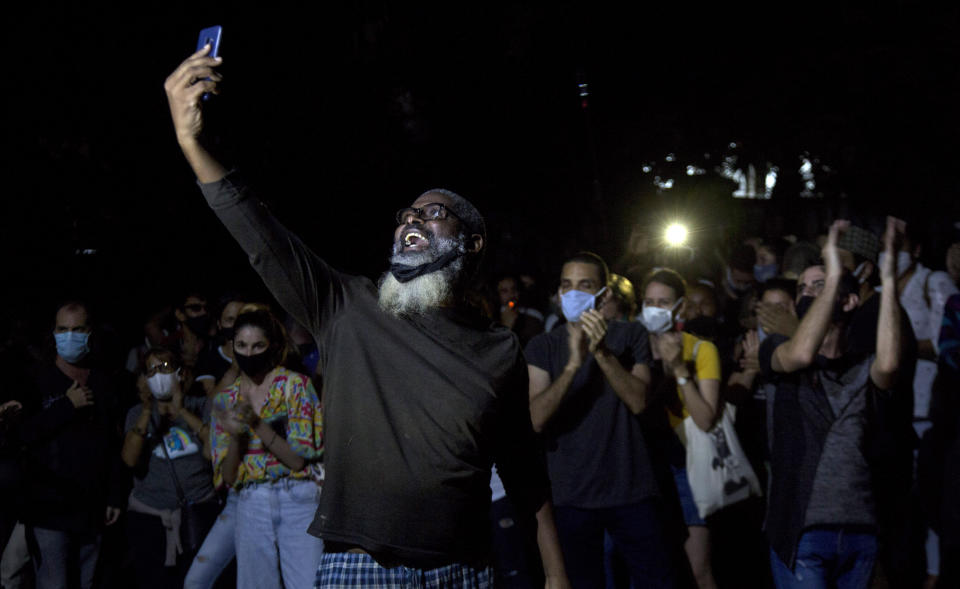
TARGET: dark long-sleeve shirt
(416,409)
(72,460)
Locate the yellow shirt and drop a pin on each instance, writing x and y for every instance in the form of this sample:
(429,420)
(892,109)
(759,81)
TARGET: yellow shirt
(705,367)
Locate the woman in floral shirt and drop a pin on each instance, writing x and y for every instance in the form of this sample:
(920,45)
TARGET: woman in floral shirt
(267,441)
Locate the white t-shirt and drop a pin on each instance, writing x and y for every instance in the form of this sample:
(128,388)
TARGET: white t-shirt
(924,298)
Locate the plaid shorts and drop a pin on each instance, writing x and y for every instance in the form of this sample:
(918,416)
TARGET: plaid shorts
(342,570)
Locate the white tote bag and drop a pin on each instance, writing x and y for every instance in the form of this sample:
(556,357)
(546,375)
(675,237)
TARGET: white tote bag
(719,471)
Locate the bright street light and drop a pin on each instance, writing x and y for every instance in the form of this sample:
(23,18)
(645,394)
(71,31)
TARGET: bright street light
(675,235)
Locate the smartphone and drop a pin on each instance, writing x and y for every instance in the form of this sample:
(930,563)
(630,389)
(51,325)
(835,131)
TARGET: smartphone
(210,36)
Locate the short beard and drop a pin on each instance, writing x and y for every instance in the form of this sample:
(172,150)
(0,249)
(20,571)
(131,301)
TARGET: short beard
(428,291)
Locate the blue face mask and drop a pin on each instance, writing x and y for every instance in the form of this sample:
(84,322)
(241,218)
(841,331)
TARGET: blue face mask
(72,345)
(575,302)
(761,334)
(764,272)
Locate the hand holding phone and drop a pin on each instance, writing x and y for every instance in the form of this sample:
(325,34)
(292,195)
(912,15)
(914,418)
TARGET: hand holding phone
(184,87)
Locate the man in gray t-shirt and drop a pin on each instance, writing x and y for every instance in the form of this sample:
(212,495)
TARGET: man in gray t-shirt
(821,519)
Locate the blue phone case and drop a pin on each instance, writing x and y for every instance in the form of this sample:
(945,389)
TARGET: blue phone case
(210,35)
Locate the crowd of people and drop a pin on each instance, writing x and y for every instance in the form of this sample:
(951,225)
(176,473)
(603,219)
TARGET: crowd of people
(782,415)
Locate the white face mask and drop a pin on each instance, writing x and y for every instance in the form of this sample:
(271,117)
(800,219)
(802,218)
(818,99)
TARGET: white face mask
(658,320)
(161,385)
(904,261)
(859,273)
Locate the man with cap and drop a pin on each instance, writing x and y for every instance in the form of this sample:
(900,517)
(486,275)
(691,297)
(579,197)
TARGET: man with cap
(858,250)
(421,396)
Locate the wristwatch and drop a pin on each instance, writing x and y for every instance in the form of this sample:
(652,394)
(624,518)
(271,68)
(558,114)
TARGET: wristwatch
(682,380)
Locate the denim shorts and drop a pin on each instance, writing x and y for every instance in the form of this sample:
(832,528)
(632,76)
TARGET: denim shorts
(690,514)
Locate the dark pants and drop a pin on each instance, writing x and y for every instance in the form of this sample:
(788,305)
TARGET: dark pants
(516,561)
(637,532)
(740,554)
(147,549)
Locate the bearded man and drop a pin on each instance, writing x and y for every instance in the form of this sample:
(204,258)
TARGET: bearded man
(421,397)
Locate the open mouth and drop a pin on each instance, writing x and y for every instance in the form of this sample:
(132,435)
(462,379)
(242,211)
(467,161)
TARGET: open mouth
(414,240)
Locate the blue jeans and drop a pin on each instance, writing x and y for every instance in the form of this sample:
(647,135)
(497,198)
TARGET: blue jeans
(274,549)
(637,532)
(691,516)
(65,559)
(347,569)
(218,548)
(826,559)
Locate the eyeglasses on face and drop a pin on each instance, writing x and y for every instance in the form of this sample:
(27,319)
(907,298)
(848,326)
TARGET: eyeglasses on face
(163,366)
(434,211)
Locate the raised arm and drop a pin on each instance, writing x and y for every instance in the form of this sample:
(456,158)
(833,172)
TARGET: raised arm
(184,88)
(799,351)
(883,371)
(301,282)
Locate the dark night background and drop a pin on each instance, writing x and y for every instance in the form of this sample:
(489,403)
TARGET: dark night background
(342,112)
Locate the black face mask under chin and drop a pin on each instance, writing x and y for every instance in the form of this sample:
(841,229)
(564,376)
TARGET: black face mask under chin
(837,317)
(198,325)
(702,326)
(405,273)
(255,365)
(837,365)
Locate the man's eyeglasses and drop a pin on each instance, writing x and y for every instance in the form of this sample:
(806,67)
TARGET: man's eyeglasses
(430,212)
(164,367)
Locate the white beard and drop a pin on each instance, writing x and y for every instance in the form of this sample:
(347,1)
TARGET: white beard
(425,292)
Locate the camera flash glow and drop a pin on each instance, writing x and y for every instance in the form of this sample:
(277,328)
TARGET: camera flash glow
(675,235)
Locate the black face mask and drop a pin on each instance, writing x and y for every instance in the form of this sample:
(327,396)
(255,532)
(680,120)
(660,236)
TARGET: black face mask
(839,316)
(198,325)
(703,326)
(226,334)
(803,305)
(836,365)
(255,364)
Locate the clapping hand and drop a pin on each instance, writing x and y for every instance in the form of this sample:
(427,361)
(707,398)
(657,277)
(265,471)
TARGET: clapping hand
(595,328)
(891,242)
